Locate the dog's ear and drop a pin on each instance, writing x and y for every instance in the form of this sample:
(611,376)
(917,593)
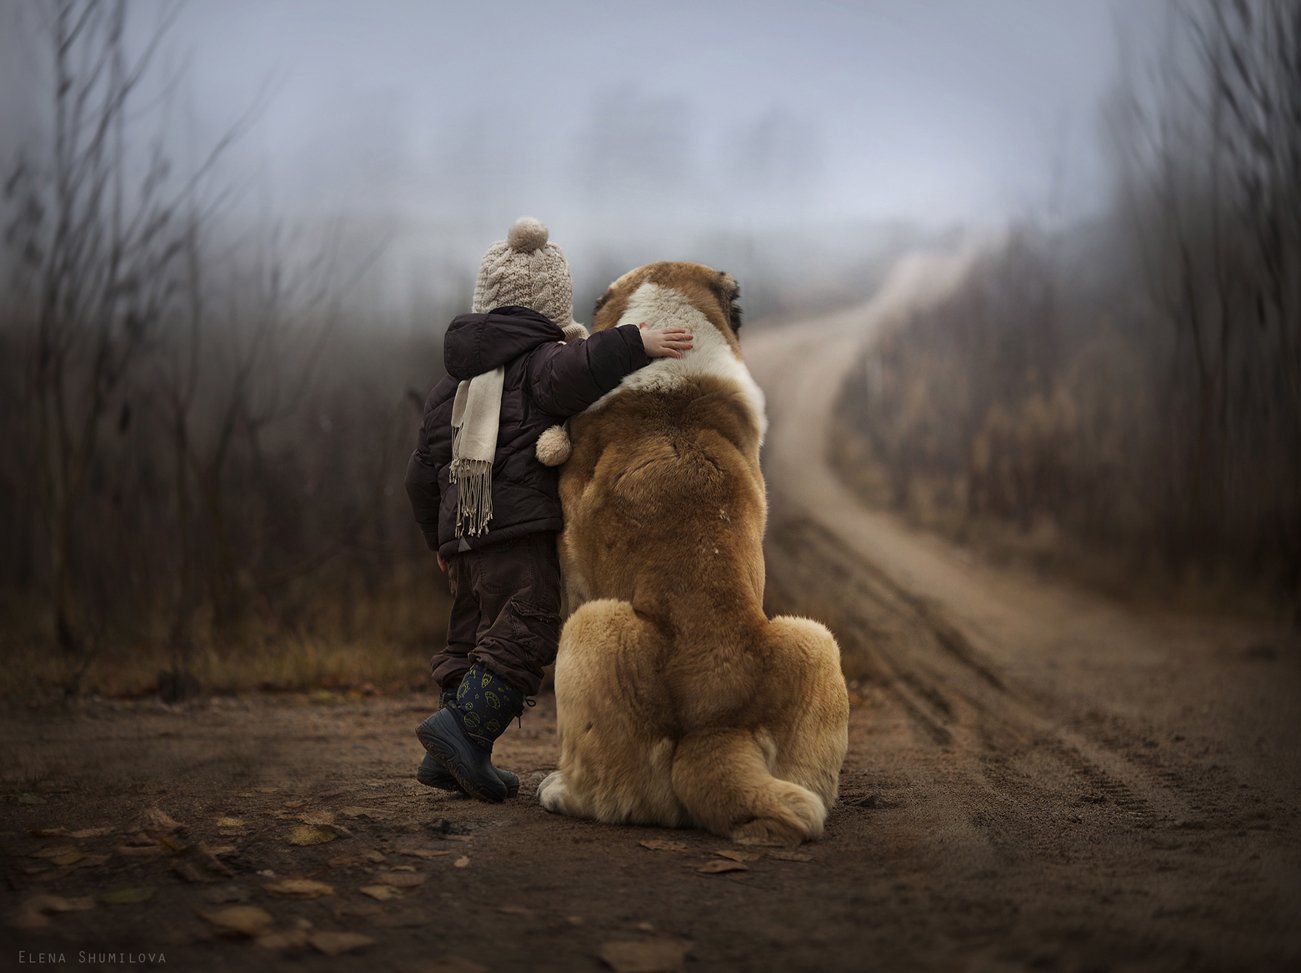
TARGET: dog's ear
(729,297)
(601,302)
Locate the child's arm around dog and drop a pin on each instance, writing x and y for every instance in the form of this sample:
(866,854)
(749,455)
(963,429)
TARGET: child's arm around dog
(566,379)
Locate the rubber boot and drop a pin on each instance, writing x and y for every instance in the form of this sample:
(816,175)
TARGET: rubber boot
(461,736)
(432,774)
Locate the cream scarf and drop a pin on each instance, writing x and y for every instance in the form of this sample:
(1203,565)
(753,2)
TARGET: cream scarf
(476,413)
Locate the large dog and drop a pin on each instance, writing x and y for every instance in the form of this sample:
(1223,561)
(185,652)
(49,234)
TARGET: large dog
(679,702)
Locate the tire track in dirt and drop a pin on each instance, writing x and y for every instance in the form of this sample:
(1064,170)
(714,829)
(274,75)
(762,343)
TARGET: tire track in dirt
(939,677)
(1033,708)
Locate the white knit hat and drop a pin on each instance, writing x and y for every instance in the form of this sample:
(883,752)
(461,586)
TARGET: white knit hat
(526,270)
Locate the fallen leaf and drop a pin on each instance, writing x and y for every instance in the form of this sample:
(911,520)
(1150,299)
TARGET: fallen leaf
(226,893)
(141,851)
(645,956)
(718,867)
(462,862)
(285,939)
(198,864)
(55,851)
(172,843)
(296,803)
(348,861)
(217,850)
(91,861)
(128,896)
(312,834)
(422,852)
(738,856)
(381,892)
(456,964)
(81,833)
(302,888)
(239,920)
(783,855)
(156,819)
(29,921)
(317,817)
(401,880)
(335,943)
(663,844)
(227,823)
(53,904)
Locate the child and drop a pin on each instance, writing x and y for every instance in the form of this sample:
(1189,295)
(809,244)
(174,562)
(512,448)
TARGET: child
(489,507)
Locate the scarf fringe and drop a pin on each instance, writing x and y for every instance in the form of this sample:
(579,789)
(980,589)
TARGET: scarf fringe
(473,478)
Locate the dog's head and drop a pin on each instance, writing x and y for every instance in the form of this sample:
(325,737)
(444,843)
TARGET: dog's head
(659,293)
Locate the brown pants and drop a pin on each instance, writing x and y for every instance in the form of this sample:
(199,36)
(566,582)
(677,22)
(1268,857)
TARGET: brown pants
(505,612)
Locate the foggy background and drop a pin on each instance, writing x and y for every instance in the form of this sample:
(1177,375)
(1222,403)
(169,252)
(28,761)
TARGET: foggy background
(235,231)
(774,136)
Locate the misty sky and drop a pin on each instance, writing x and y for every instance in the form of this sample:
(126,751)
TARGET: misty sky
(600,117)
(932,110)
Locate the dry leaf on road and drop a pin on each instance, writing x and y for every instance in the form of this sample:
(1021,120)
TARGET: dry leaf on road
(284,939)
(55,851)
(128,896)
(302,888)
(239,920)
(462,862)
(54,904)
(381,892)
(401,880)
(313,834)
(784,855)
(335,943)
(738,856)
(155,819)
(663,844)
(645,955)
(719,867)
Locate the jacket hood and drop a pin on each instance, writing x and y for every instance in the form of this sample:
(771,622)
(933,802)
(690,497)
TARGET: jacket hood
(478,343)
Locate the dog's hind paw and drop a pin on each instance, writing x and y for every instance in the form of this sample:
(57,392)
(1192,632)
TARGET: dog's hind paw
(799,817)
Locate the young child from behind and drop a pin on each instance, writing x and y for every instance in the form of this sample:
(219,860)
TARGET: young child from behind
(489,507)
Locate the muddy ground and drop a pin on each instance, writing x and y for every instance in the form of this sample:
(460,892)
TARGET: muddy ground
(1037,778)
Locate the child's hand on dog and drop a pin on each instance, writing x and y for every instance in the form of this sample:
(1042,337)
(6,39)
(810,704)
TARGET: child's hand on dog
(665,342)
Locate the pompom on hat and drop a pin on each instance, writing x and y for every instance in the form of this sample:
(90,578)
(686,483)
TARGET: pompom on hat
(526,270)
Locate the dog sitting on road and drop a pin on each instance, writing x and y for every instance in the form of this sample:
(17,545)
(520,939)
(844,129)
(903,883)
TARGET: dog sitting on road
(679,703)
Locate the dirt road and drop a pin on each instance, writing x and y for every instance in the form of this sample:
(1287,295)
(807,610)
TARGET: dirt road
(1036,779)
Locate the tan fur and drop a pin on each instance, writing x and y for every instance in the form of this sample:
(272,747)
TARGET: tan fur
(679,703)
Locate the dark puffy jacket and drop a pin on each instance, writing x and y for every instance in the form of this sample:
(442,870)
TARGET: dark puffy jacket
(546,382)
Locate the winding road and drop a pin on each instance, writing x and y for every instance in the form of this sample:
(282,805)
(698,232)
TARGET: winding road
(1070,781)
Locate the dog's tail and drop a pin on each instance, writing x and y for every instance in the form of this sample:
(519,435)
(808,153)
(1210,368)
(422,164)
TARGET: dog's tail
(772,783)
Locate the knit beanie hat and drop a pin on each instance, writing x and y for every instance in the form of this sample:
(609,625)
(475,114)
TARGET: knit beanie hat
(526,270)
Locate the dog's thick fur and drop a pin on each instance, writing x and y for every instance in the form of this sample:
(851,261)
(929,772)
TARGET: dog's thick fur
(679,703)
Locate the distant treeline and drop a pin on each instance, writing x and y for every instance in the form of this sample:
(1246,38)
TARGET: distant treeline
(1133,384)
(204,436)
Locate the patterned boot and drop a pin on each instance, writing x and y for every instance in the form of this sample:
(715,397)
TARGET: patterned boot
(460,737)
(432,774)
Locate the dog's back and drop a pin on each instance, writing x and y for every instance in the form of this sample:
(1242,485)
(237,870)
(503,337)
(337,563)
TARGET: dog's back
(679,702)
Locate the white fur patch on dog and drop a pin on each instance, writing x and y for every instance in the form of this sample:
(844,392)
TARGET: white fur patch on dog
(664,307)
